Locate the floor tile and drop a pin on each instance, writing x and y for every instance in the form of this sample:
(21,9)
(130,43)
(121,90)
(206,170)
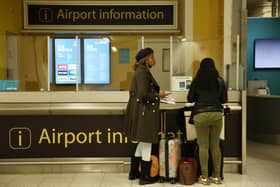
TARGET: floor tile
(263,168)
(87,180)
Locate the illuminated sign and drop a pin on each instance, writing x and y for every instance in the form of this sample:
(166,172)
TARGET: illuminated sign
(67,58)
(69,136)
(20,138)
(119,15)
(97,61)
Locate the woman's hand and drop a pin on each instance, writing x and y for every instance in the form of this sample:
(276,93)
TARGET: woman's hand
(163,94)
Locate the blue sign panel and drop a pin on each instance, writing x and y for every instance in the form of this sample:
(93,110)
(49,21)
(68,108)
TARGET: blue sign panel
(97,61)
(67,61)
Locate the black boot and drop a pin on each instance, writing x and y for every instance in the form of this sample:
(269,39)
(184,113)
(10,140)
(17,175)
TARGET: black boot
(134,168)
(145,177)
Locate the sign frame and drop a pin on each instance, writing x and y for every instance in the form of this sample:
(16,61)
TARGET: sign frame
(102,27)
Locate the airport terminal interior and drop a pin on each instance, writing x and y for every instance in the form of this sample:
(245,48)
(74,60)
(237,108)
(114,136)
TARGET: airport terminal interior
(66,71)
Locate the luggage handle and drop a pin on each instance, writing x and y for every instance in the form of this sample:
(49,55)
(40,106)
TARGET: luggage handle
(163,125)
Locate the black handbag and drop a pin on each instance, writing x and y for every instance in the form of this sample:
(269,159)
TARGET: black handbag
(191,119)
(191,116)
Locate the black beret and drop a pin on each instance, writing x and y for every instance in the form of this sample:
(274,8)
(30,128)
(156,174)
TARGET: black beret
(143,53)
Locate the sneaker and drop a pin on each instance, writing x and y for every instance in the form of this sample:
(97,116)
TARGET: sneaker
(216,180)
(204,180)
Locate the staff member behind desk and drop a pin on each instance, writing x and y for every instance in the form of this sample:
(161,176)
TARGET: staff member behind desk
(208,92)
(143,115)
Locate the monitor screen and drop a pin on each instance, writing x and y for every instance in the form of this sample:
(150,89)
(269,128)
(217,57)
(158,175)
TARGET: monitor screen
(67,58)
(96,61)
(266,53)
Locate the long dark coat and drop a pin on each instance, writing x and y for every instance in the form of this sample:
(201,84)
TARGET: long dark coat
(142,112)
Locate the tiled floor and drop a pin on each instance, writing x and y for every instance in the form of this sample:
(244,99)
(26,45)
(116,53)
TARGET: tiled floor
(263,170)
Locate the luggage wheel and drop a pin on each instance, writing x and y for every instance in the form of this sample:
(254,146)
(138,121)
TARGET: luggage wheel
(173,181)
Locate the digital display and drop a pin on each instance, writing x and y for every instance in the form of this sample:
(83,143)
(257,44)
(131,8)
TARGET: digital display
(67,58)
(267,53)
(96,61)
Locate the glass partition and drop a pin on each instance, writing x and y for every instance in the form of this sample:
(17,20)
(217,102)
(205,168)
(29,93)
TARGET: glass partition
(178,60)
(41,62)
(118,73)
(65,62)
(26,63)
(9,62)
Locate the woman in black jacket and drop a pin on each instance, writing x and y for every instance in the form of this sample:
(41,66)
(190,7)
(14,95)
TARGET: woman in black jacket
(143,115)
(208,92)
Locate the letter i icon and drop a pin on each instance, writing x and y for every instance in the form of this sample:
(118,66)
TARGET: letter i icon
(19,138)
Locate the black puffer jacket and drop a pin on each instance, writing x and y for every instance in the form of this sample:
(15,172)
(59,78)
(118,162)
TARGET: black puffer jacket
(207,101)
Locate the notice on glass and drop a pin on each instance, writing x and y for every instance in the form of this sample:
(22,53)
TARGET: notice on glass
(66,70)
(97,61)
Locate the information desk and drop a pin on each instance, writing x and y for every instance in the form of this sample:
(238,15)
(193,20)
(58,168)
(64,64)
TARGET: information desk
(263,118)
(88,135)
(65,130)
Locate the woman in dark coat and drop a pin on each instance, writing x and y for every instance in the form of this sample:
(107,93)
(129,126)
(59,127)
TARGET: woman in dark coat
(143,115)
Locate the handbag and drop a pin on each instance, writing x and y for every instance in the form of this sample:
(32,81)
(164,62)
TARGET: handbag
(190,109)
(187,171)
(191,119)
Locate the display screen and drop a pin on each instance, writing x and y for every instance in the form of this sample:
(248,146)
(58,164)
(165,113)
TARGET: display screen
(267,53)
(96,61)
(67,60)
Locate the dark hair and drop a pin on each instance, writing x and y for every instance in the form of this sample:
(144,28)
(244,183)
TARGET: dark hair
(137,63)
(207,75)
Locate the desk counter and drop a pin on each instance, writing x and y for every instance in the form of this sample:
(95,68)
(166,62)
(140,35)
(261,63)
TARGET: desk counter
(263,118)
(52,132)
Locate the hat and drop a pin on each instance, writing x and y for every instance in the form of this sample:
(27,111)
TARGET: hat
(143,53)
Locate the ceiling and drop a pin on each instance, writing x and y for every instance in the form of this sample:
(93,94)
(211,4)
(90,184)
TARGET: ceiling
(263,8)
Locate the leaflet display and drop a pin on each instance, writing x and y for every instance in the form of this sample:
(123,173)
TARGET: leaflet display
(67,53)
(96,61)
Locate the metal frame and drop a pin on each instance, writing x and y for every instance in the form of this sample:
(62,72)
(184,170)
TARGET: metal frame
(106,28)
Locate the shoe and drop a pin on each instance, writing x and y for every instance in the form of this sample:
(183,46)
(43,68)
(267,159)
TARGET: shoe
(216,180)
(204,180)
(145,177)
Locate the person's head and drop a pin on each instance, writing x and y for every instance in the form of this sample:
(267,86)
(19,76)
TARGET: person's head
(145,56)
(207,64)
(207,75)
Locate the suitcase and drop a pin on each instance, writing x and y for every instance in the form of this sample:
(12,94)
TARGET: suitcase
(169,155)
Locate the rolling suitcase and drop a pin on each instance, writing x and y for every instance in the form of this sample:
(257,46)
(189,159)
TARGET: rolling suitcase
(169,155)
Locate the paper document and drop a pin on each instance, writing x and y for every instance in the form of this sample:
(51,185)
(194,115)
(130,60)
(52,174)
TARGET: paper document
(189,104)
(168,100)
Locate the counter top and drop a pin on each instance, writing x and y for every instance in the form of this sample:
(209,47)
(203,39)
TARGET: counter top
(79,108)
(265,96)
(71,108)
